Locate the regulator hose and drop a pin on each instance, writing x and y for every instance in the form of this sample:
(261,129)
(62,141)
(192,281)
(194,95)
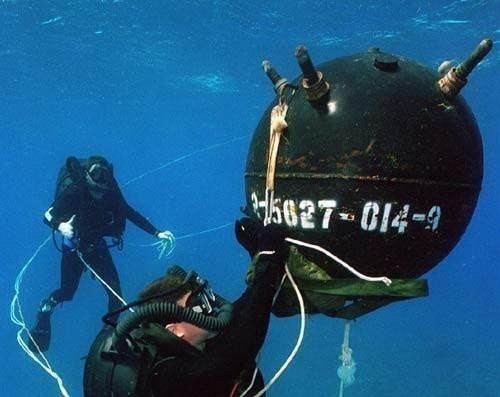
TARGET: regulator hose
(165,312)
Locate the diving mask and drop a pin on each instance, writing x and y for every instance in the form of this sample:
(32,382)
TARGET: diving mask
(202,298)
(99,176)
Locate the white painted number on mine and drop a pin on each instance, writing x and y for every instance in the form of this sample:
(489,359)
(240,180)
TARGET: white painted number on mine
(328,206)
(379,217)
(290,213)
(369,219)
(400,221)
(433,218)
(306,214)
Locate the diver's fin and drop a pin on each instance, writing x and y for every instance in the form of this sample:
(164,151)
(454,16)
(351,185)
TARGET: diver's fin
(40,333)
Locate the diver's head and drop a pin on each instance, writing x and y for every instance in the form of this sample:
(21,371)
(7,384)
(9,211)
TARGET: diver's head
(99,174)
(190,291)
(118,357)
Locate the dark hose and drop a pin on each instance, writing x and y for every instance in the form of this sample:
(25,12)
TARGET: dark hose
(165,312)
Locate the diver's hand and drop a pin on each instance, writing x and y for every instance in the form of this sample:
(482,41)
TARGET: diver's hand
(272,254)
(66,228)
(271,243)
(247,231)
(165,235)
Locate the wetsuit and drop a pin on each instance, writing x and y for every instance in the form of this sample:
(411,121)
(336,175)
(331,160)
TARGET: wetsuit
(95,218)
(228,362)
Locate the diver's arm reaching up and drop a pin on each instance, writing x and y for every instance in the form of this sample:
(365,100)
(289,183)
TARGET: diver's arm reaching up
(237,346)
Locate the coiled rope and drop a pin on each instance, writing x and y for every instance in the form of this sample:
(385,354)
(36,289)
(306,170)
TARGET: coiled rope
(17,317)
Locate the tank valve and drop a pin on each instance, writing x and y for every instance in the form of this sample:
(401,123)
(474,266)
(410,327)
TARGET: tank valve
(313,82)
(278,82)
(453,81)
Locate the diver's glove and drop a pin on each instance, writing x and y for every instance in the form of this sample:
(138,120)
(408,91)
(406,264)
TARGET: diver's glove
(66,228)
(247,231)
(271,244)
(165,235)
(272,254)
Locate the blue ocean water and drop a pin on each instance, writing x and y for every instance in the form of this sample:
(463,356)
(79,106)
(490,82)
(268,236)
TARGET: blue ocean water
(145,83)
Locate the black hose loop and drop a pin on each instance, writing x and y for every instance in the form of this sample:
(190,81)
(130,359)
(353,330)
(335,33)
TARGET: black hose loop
(166,312)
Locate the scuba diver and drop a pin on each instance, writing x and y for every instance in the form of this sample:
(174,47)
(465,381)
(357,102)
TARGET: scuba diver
(88,206)
(185,340)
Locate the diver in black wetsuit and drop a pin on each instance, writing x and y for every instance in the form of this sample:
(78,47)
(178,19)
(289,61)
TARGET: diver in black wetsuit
(88,207)
(185,348)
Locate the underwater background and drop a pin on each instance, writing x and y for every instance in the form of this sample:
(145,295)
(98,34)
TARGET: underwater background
(171,92)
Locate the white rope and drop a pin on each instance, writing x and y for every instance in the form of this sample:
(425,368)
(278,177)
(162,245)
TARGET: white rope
(16,314)
(387,281)
(80,255)
(348,367)
(277,126)
(17,317)
(274,300)
(346,349)
(299,339)
(183,157)
(345,356)
(165,247)
(347,332)
(254,376)
(213,229)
